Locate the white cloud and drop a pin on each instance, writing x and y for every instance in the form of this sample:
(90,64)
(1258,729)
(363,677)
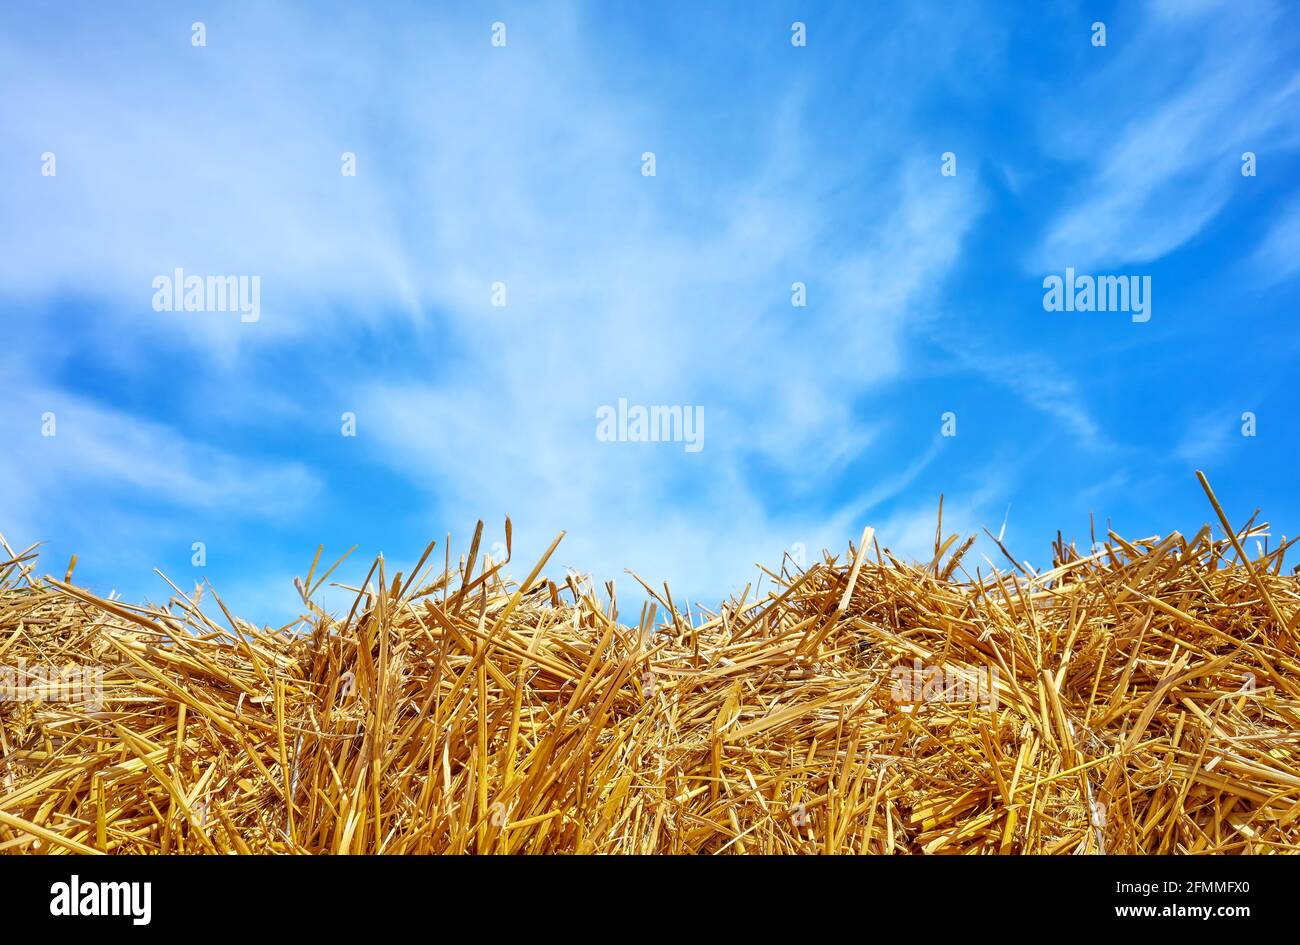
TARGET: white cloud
(1162,136)
(513,430)
(1207,437)
(101,457)
(1277,257)
(477,165)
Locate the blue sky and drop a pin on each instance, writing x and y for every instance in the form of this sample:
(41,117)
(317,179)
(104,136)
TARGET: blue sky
(522,164)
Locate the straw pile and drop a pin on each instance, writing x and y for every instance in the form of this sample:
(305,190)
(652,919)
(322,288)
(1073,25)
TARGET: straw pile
(1144,698)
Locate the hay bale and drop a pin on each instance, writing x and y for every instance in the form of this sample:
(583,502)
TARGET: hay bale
(1138,699)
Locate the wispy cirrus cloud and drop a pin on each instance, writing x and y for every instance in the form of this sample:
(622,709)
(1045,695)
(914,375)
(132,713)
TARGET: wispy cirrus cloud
(1277,256)
(1161,137)
(776,383)
(65,454)
(476,166)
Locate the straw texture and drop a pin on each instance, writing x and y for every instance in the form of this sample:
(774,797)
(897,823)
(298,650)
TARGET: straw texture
(1141,699)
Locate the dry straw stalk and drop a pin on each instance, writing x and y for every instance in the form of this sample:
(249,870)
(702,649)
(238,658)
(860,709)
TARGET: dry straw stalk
(1139,699)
